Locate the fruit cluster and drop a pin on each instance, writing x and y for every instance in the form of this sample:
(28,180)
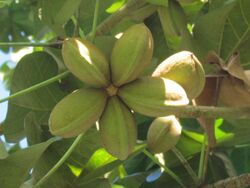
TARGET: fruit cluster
(116,88)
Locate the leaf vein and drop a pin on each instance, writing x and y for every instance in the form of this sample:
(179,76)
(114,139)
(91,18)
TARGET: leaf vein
(243,14)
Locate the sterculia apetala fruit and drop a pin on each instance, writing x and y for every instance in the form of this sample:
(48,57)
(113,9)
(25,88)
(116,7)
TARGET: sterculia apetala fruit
(163,134)
(184,68)
(115,89)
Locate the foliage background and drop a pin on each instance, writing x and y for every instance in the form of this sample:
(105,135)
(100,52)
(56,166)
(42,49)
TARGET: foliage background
(221,26)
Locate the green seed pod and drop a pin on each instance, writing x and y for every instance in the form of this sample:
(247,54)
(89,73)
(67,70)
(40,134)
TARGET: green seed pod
(118,129)
(163,134)
(152,96)
(86,62)
(186,70)
(131,54)
(77,112)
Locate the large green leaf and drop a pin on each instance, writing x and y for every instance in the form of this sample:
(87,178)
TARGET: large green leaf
(83,151)
(33,130)
(239,132)
(96,169)
(62,178)
(55,13)
(99,158)
(13,125)
(209,33)
(225,29)
(86,178)
(32,69)
(16,167)
(86,14)
(237,32)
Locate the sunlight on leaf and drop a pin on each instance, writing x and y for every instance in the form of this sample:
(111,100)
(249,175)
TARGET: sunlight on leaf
(122,171)
(218,122)
(115,6)
(75,170)
(100,158)
(194,135)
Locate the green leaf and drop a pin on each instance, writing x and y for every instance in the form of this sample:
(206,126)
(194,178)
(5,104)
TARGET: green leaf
(4,3)
(56,13)
(241,160)
(207,32)
(83,151)
(99,183)
(228,34)
(227,163)
(105,44)
(18,21)
(13,126)
(16,167)
(158,2)
(98,159)
(193,148)
(88,176)
(62,178)
(27,184)
(134,180)
(216,169)
(239,132)
(162,50)
(115,6)
(3,152)
(57,56)
(86,14)
(165,179)
(32,69)
(98,172)
(33,130)
(138,163)
(237,31)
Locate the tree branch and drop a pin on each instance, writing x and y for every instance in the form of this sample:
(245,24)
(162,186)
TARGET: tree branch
(113,19)
(209,111)
(31,44)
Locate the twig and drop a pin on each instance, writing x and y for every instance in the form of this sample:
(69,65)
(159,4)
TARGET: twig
(115,18)
(60,162)
(186,165)
(166,169)
(36,86)
(93,32)
(241,181)
(31,44)
(202,159)
(207,111)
